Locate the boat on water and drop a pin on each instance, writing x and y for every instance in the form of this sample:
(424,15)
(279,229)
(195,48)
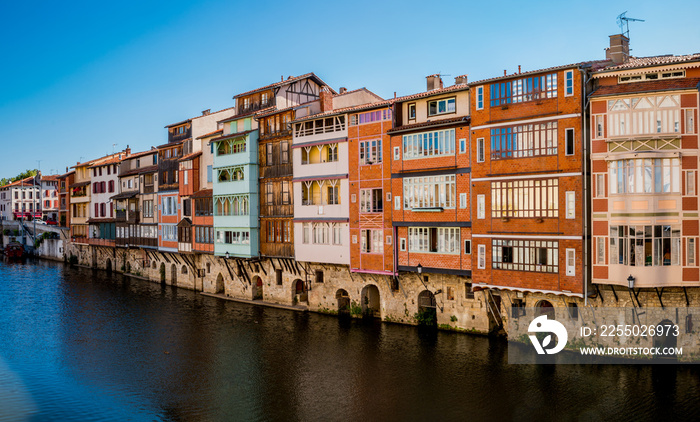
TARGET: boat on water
(15,250)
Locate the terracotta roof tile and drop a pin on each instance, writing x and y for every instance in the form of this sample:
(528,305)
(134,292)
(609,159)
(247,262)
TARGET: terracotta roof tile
(343,110)
(595,64)
(443,122)
(284,82)
(206,135)
(648,86)
(233,135)
(204,193)
(190,156)
(635,62)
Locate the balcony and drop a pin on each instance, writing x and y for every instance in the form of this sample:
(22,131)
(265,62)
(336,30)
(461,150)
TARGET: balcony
(124,216)
(267,134)
(99,242)
(148,188)
(175,137)
(256,106)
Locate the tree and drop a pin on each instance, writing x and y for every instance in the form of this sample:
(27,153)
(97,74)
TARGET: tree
(23,175)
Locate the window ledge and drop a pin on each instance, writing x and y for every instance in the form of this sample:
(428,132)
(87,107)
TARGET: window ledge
(430,209)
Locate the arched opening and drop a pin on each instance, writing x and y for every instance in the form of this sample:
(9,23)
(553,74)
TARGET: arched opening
(665,337)
(370,301)
(162,272)
(128,267)
(427,309)
(343,302)
(108,265)
(184,269)
(173,275)
(298,287)
(298,294)
(544,307)
(219,288)
(257,288)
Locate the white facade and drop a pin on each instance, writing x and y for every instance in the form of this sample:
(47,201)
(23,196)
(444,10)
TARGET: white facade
(203,125)
(18,198)
(49,197)
(104,178)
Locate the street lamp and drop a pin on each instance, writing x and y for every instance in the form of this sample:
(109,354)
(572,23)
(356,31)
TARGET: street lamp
(419,268)
(227,255)
(630,281)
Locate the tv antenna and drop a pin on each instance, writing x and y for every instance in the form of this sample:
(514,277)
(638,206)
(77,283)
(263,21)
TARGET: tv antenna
(624,23)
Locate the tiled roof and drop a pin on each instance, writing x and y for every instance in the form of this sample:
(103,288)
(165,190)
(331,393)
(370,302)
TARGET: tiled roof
(96,160)
(142,153)
(204,193)
(138,170)
(149,169)
(443,122)
(125,195)
(26,181)
(439,91)
(206,135)
(648,86)
(190,156)
(178,123)
(595,64)
(113,160)
(634,62)
(79,184)
(50,177)
(343,110)
(233,135)
(247,113)
(172,144)
(64,175)
(284,82)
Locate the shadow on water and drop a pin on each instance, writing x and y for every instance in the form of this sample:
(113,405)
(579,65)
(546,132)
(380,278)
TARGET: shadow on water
(88,345)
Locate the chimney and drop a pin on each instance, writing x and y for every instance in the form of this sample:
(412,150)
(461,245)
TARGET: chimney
(461,80)
(206,112)
(128,151)
(326,99)
(518,69)
(434,82)
(619,51)
(343,90)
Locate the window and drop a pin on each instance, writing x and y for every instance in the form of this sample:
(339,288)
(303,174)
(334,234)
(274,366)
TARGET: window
(480,98)
(600,250)
(371,200)
(397,153)
(270,231)
(370,152)
(184,179)
(462,145)
(269,193)
(481,257)
(569,83)
(480,154)
(233,237)
(468,247)
(285,193)
(659,175)
(402,243)
(525,89)
(209,174)
(371,241)
(525,198)
(599,122)
(463,200)
(570,262)
(600,185)
(284,152)
(306,227)
(268,154)
(429,144)
(443,106)
(169,232)
(434,239)
(278,276)
(691,252)
(525,255)
(412,111)
(644,115)
(429,192)
(231,205)
(333,198)
(370,116)
(570,205)
(689,121)
(187,207)
(644,246)
(313,127)
(480,206)
(319,276)
(203,206)
(570,141)
(169,205)
(524,141)
(690,183)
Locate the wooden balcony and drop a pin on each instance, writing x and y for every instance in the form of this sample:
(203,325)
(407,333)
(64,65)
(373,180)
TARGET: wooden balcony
(101,242)
(256,106)
(175,137)
(274,134)
(277,170)
(128,217)
(148,188)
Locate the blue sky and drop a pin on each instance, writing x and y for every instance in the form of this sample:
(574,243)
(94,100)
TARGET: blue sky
(77,76)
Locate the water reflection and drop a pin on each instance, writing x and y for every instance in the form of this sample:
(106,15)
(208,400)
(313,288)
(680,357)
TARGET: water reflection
(86,346)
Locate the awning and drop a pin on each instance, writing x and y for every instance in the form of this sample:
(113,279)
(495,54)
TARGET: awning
(125,195)
(79,185)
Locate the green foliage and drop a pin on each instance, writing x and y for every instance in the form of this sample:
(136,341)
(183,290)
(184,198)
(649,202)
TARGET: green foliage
(427,317)
(6,232)
(355,308)
(23,175)
(453,318)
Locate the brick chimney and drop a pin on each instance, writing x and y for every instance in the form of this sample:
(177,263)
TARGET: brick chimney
(619,51)
(343,90)
(461,80)
(326,99)
(206,112)
(434,82)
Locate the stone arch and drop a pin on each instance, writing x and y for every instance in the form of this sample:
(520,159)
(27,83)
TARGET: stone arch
(257,288)
(162,273)
(173,275)
(184,269)
(665,335)
(545,307)
(343,299)
(370,301)
(219,288)
(298,290)
(427,308)
(108,265)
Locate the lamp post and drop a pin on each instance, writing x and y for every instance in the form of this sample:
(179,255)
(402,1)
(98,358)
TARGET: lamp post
(630,281)
(419,269)
(227,255)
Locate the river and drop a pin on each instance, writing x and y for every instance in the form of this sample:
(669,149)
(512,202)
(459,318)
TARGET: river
(78,344)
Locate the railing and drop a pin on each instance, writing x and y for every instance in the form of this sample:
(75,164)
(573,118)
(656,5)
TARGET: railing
(127,216)
(268,135)
(148,188)
(257,106)
(100,242)
(337,127)
(174,137)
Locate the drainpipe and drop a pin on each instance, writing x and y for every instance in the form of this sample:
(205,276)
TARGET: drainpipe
(585,178)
